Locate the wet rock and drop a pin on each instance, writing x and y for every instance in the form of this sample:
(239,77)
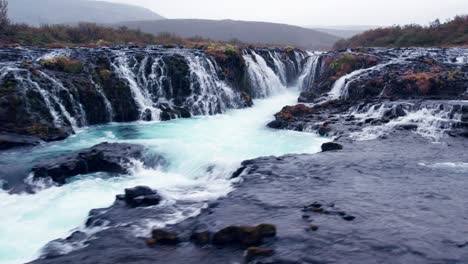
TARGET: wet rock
(163,237)
(8,141)
(201,238)
(312,228)
(244,235)
(105,157)
(331,146)
(349,217)
(254,252)
(141,196)
(407,126)
(324,130)
(238,172)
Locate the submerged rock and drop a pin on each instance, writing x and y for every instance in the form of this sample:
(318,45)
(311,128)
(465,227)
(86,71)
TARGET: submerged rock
(105,157)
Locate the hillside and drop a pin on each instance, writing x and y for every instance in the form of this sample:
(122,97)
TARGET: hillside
(451,33)
(34,12)
(342,31)
(249,32)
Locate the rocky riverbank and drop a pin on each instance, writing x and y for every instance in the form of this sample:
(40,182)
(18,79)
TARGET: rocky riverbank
(374,201)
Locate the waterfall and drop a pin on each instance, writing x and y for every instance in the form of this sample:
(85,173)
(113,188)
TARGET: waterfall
(209,94)
(46,97)
(340,87)
(77,106)
(431,120)
(147,84)
(309,71)
(280,67)
(141,96)
(263,78)
(107,103)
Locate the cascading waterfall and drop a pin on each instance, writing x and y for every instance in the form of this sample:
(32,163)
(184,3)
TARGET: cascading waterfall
(340,87)
(263,78)
(77,106)
(431,120)
(46,97)
(156,83)
(107,103)
(280,67)
(141,95)
(309,71)
(209,94)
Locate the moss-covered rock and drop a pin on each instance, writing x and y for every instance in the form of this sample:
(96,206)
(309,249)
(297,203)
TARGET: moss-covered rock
(63,63)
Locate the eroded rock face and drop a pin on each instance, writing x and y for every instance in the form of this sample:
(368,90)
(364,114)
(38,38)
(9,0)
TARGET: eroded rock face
(105,157)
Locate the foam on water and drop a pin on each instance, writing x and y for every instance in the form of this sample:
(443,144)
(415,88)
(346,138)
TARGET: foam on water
(202,152)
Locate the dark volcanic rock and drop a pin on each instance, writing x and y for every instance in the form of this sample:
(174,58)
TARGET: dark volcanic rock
(330,146)
(141,196)
(105,157)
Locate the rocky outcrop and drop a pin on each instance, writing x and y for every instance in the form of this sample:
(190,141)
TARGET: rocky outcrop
(105,157)
(391,73)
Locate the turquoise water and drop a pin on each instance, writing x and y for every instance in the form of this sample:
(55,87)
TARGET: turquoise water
(192,146)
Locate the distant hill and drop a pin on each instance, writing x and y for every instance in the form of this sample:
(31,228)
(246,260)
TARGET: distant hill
(342,31)
(245,31)
(451,33)
(36,12)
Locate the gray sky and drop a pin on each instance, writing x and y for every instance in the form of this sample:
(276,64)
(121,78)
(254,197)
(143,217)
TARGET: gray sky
(310,12)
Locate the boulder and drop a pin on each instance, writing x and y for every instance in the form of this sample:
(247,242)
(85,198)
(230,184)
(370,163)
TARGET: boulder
(331,146)
(141,196)
(244,235)
(105,157)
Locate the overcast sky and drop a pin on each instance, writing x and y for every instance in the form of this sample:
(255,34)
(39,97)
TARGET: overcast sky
(310,12)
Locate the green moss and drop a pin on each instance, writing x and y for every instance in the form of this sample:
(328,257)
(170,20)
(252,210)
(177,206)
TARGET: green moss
(105,74)
(343,62)
(64,64)
(231,51)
